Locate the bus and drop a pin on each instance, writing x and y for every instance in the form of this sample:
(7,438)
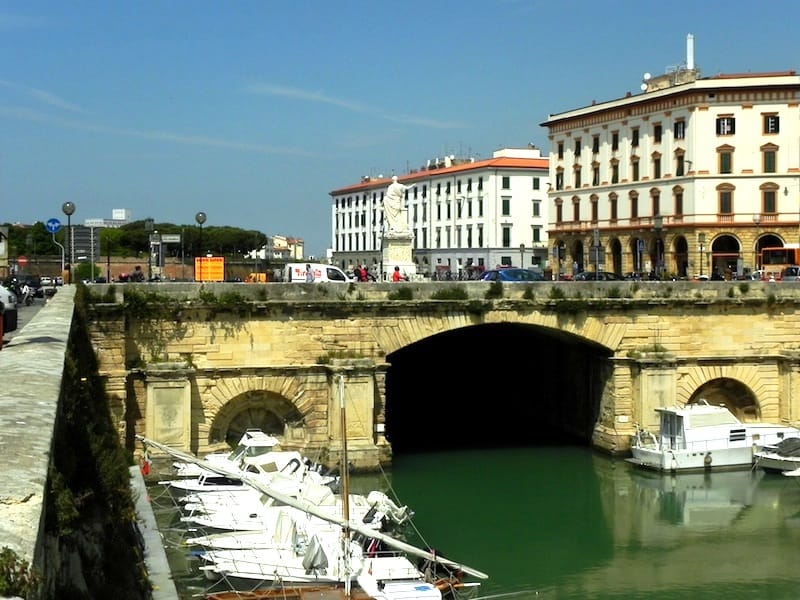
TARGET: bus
(774,260)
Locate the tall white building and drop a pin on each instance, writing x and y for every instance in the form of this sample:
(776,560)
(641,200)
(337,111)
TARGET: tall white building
(465,215)
(692,175)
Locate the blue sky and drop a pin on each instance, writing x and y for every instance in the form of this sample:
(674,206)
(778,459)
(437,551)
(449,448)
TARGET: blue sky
(253,111)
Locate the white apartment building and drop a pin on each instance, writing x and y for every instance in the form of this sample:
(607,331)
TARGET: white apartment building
(465,215)
(691,176)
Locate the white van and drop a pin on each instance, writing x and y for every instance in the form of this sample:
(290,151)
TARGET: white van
(296,272)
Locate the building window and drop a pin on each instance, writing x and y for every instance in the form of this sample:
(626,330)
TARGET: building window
(577,177)
(480,236)
(770,202)
(537,234)
(480,206)
(480,184)
(595,144)
(770,160)
(438,189)
(559,213)
(615,141)
(634,207)
(772,124)
(537,208)
(469,184)
(449,215)
(447,188)
(560,179)
(612,208)
(536,183)
(469,209)
(725,162)
(595,175)
(656,199)
(657,133)
(615,172)
(576,210)
(726,125)
(506,206)
(725,202)
(678,204)
(656,166)
(635,137)
(561,150)
(679,130)
(438,211)
(680,165)
(594,209)
(578,147)
(506,237)
(506,182)
(635,168)
(424,190)
(458,186)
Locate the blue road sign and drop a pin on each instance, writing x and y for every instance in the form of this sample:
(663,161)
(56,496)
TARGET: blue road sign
(53,225)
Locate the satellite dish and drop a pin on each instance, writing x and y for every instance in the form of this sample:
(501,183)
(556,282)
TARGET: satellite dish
(644,87)
(646,76)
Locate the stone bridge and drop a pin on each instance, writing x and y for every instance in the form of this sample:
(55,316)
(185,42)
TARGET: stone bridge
(467,364)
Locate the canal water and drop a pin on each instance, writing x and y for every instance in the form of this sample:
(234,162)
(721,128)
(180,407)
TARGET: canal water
(565,523)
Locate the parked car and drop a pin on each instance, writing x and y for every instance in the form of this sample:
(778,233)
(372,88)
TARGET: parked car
(790,274)
(10,304)
(512,274)
(597,276)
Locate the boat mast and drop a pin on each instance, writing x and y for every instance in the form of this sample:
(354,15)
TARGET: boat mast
(345,477)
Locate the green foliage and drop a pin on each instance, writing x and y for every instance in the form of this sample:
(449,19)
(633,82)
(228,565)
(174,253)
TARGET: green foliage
(744,288)
(401,293)
(16,576)
(495,290)
(557,293)
(455,292)
(771,299)
(337,354)
(731,293)
(529,294)
(614,292)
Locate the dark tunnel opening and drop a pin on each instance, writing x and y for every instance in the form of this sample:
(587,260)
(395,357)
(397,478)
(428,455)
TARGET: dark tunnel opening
(494,386)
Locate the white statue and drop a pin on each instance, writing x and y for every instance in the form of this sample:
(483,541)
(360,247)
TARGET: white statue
(394,211)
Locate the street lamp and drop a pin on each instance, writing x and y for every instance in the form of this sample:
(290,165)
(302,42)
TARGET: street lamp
(522,256)
(68,208)
(148,227)
(756,222)
(596,249)
(701,240)
(200,217)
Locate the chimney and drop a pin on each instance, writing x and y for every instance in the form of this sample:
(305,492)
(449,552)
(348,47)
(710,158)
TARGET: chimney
(690,52)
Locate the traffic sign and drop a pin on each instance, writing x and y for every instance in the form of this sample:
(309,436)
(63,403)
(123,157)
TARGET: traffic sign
(22,260)
(53,225)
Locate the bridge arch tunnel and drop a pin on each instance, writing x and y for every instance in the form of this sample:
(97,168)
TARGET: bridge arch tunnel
(731,393)
(494,385)
(261,409)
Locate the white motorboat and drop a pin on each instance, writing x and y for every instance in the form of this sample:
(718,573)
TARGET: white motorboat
(285,470)
(703,436)
(253,443)
(344,553)
(780,457)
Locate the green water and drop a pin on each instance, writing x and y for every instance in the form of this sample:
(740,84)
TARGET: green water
(565,523)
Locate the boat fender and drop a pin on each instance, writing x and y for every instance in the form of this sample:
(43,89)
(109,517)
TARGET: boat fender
(144,466)
(707,460)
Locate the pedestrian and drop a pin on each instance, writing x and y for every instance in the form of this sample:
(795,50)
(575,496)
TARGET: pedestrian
(309,274)
(363,274)
(396,275)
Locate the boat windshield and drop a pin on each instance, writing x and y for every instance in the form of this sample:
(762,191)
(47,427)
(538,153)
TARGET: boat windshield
(713,419)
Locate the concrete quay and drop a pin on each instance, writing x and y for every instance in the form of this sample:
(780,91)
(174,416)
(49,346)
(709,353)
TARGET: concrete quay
(31,369)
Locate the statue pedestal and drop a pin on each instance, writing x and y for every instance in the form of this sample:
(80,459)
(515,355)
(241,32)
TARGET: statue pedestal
(397,253)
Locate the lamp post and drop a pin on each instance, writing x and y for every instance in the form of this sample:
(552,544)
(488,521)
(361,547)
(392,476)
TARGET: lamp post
(596,250)
(68,208)
(200,218)
(701,240)
(756,222)
(148,227)
(522,256)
